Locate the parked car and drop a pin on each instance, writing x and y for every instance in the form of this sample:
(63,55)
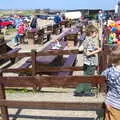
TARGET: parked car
(12,20)
(5,23)
(45,17)
(88,17)
(51,17)
(27,18)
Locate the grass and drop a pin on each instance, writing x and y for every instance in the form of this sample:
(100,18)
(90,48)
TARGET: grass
(15,90)
(10,31)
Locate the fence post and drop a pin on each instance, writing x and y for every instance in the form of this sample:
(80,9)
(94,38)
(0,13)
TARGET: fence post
(34,67)
(4,110)
(103,58)
(33,62)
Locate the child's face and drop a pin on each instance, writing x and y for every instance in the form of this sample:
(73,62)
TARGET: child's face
(94,34)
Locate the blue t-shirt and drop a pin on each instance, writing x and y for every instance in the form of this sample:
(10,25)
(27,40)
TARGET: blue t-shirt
(57,19)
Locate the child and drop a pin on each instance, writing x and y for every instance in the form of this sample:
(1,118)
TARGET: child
(113,83)
(20,33)
(89,58)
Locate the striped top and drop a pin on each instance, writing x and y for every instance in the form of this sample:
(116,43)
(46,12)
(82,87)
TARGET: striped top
(113,95)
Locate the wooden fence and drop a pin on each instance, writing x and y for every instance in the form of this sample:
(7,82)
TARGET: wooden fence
(45,81)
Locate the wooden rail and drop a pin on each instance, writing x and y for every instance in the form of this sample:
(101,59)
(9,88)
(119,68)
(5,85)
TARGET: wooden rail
(47,81)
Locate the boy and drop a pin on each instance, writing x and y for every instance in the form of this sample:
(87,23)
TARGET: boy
(20,33)
(113,83)
(89,59)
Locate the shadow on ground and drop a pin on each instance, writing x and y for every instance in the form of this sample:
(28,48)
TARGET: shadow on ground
(17,116)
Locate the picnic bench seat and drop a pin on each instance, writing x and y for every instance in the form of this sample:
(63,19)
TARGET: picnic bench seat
(25,65)
(68,63)
(13,51)
(5,49)
(57,28)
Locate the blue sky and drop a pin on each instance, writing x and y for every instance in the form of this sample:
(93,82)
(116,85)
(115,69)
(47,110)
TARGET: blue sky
(57,4)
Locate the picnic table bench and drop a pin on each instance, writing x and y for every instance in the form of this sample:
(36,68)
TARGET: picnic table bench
(52,60)
(38,37)
(69,62)
(5,49)
(57,28)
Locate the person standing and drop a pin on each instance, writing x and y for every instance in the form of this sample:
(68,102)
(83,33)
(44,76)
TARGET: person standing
(90,50)
(57,19)
(112,74)
(33,23)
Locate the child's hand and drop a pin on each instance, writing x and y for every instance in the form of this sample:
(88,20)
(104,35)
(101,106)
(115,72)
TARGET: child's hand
(99,49)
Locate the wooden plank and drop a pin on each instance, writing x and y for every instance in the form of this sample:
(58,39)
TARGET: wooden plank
(13,55)
(43,53)
(51,81)
(52,105)
(18,70)
(69,81)
(59,52)
(24,68)
(58,69)
(13,51)
(19,81)
(25,65)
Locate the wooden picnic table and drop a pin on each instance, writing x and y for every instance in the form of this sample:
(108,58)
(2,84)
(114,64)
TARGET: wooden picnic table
(49,60)
(72,37)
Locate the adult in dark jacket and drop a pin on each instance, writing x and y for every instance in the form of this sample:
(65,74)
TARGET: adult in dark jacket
(33,24)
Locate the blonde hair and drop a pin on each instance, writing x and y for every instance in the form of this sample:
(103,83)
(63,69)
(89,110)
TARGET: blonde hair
(90,29)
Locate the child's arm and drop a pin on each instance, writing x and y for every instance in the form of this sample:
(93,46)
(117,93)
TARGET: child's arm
(89,53)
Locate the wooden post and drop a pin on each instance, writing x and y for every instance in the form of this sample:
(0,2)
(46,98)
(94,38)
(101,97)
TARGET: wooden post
(4,110)
(103,58)
(34,67)
(30,37)
(33,62)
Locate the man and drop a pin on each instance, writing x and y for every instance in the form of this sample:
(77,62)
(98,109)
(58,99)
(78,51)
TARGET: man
(57,19)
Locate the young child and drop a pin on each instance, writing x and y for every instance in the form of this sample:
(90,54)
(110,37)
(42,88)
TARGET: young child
(112,74)
(89,58)
(20,33)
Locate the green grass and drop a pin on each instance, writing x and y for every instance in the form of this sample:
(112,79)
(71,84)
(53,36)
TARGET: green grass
(10,31)
(22,90)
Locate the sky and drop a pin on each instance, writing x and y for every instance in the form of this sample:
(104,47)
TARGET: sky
(58,4)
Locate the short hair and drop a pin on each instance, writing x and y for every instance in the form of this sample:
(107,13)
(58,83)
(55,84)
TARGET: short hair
(114,57)
(90,29)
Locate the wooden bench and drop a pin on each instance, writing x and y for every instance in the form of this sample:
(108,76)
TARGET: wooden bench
(43,36)
(68,63)
(5,49)
(72,39)
(57,28)
(13,51)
